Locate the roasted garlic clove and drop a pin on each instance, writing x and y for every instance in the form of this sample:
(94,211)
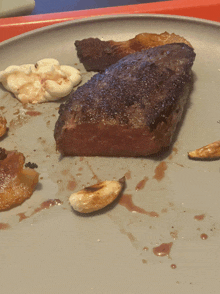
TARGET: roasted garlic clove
(97,196)
(210,151)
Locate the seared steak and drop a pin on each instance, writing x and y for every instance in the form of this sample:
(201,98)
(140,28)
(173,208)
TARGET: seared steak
(132,109)
(97,55)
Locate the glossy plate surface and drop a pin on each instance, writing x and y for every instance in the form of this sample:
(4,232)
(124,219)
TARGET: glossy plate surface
(50,249)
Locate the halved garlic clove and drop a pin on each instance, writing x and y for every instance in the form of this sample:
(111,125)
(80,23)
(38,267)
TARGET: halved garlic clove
(97,196)
(210,151)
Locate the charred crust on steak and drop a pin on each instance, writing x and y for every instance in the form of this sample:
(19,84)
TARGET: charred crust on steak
(102,52)
(142,91)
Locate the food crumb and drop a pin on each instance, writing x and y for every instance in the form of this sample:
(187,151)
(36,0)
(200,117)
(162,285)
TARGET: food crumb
(204,236)
(31,165)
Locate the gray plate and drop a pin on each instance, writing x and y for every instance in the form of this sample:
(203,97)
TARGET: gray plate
(55,250)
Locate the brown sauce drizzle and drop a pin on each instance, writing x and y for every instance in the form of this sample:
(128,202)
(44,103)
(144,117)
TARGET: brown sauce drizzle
(126,201)
(145,248)
(33,113)
(95,177)
(130,236)
(45,205)
(204,236)
(19,121)
(141,184)
(16,112)
(4,226)
(72,185)
(128,175)
(65,172)
(199,217)
(174,235)
(28,106)
(163,249)
(160,171)
(175,150)
(179,164)
(22,216)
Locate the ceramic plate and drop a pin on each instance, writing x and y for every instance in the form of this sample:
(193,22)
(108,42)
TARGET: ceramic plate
(47,248)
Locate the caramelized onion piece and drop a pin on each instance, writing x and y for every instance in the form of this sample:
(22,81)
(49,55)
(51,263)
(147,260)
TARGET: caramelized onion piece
(144,41)
(16,184)
(210,151)
(3,127)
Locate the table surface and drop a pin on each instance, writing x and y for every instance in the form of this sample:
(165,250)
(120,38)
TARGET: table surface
(51,6)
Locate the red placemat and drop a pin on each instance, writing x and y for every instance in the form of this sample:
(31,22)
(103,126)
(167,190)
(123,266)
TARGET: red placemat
(10,27)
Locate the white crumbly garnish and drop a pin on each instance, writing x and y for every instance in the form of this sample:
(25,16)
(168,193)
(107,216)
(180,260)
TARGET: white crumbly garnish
(44,81)
(96,197)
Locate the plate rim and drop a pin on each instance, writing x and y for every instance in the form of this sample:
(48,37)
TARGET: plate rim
(109,17)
